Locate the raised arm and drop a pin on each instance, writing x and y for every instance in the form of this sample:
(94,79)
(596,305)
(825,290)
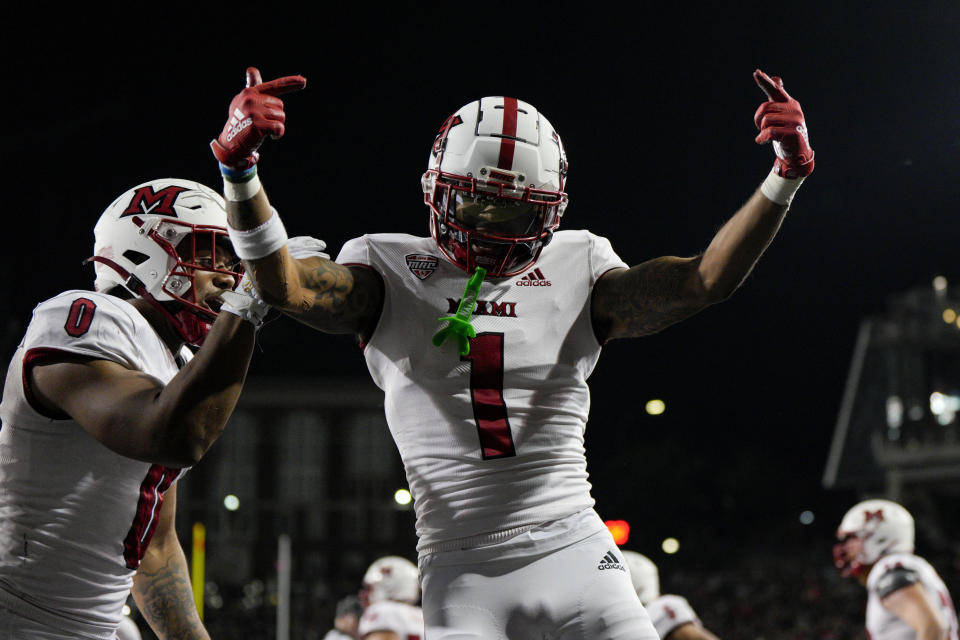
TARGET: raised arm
(655,294)
(161,586)
(306,285)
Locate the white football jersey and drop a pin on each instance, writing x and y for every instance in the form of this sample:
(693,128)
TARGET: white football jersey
(900,569)
(669,612)
(403,619)
(491,442)
(75,517)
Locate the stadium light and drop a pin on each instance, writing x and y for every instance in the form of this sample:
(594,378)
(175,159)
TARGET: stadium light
(894,412)
(402,497)
(944,406)
(949,315)
(231,502)
(620,530)
(670,546)
(940,283)
(807,517)
(655,407)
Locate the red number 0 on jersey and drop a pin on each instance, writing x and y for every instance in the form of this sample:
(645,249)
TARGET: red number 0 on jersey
(486,392)
(80,317)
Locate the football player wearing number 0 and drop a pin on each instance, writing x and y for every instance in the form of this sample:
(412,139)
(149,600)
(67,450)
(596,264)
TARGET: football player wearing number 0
(488,406)
(103,408)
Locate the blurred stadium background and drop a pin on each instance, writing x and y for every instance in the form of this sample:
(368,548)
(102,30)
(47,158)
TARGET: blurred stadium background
(832,375)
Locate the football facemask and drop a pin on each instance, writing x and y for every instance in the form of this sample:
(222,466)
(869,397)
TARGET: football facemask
(494,186)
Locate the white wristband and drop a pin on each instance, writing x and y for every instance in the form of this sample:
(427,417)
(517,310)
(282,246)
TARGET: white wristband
(780,190)
(261,241)
(241,191)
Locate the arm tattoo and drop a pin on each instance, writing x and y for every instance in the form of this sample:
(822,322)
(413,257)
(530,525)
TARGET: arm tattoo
(648,298)
(344,299)
(331,284)
(165,598)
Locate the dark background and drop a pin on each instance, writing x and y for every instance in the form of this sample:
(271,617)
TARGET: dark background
(655,107)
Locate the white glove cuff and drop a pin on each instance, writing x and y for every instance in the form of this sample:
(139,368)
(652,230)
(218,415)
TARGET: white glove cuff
(780,190)
(241,191)
(247,307)
(261,241)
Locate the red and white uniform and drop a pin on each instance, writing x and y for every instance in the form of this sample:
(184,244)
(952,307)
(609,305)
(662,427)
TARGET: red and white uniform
(492,443)
(669,612)
(898,570)
(75,517)
(403,619)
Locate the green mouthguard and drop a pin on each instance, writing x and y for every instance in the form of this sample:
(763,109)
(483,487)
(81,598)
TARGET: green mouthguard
(459,325)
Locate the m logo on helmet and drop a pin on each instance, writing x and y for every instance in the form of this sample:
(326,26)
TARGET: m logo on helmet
(147,201)
(871,515)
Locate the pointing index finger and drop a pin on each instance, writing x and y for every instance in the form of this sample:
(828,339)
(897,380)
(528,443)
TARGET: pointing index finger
(773,87)
(253,77)
(280,86)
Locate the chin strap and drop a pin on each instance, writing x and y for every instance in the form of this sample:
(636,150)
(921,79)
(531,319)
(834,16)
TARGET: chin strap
(459,325)
(193,336)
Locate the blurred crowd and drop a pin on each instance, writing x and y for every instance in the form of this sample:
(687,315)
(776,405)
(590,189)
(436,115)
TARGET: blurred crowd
(761,595)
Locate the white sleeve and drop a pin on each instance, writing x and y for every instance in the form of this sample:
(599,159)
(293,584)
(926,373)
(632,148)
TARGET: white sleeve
(88,324)
(602,257)
(669,612)
(355,251)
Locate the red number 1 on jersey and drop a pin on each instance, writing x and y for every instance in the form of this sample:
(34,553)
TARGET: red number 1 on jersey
(486,392)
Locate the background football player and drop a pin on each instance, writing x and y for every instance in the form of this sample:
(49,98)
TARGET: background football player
(391,590)
(346,619)
(906,598)
(490,423)
(672,615)
(104,406)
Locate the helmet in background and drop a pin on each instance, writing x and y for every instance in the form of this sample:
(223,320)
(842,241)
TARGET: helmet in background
(391,578)
(869,530)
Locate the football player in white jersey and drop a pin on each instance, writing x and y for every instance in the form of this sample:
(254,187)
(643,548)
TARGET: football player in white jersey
(103,407)
(906,598)
(346,619)
(672,615)
(488,408)
(391,590)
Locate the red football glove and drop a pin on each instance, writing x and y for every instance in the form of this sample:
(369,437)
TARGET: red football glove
(780,120)
(254,114)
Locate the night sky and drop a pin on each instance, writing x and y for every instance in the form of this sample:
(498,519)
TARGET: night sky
(655,108)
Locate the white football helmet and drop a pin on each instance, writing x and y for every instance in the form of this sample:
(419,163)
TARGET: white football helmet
(869,530)
(495,185)
(391,578)
(643,574)
(147,241)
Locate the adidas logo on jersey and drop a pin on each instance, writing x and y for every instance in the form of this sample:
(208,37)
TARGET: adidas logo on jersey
(534,279)
(610,561)
(237,124)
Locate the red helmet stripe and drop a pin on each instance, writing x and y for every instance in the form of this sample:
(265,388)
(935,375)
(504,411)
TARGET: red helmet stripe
(509,133)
